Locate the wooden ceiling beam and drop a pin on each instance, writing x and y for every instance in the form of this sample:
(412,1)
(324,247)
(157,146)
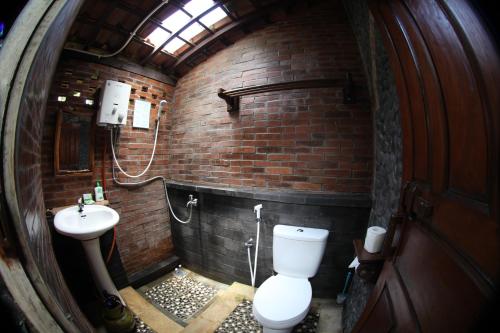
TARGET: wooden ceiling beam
(96,28)
(115,29)
(231,15)
(124,64)
(131,9)
(158,24)
(123,32)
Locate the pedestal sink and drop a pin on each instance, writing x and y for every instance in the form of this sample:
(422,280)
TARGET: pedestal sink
(87,226)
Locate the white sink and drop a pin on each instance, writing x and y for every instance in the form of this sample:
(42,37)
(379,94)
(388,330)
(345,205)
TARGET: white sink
(87,226)
(94,221)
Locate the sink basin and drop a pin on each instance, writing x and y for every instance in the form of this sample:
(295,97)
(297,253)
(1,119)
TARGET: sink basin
(87,226)
(94,221)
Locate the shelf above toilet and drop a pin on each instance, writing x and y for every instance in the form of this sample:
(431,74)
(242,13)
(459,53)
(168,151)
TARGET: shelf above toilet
(365,257)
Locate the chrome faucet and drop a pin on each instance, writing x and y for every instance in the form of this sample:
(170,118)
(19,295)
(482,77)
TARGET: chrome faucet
(249,243)
(80,205)
(192,202)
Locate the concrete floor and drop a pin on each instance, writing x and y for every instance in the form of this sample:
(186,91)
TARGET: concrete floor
(330,315)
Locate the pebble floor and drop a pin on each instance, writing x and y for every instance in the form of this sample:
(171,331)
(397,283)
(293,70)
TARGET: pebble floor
(181,297)
(140,327)
(241,321)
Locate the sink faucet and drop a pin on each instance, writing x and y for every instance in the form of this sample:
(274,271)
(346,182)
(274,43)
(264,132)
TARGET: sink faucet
(80,205)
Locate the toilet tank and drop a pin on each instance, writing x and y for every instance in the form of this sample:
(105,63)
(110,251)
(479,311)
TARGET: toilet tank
(297,251)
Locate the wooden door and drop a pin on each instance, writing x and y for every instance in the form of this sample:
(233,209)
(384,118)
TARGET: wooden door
(444,274)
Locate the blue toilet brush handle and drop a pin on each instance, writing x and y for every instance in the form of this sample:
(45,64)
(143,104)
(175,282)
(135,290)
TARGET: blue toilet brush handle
(347,281)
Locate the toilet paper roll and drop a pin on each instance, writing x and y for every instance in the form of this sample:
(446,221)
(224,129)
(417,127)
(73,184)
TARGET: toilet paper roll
(374,239)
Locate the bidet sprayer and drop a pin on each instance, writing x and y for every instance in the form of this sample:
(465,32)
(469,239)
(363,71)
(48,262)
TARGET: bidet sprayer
(256,210)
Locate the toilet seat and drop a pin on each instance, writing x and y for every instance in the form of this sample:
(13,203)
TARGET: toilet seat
(282,301)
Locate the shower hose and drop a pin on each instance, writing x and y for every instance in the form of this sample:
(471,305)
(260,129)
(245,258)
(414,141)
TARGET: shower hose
(114,139)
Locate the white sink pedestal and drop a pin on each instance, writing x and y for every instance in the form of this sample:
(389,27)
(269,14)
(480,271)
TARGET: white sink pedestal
(98,268)
(87,224)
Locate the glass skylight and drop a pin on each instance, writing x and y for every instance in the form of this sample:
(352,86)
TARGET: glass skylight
(175,21)
(196,7)
(213,17)
(179,19)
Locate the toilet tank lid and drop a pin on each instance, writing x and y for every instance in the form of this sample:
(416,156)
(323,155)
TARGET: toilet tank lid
(300,233)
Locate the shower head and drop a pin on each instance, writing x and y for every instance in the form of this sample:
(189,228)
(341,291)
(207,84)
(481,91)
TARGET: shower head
(163,103)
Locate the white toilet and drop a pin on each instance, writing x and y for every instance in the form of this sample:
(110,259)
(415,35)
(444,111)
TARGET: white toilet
(283,300)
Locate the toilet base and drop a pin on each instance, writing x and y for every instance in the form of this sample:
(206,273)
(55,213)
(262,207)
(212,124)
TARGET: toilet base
(271,330)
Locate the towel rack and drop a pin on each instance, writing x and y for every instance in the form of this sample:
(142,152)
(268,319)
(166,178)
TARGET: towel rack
(232,97)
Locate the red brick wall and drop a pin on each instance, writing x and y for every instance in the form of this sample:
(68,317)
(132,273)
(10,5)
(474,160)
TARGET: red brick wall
(143,234)
(301,139)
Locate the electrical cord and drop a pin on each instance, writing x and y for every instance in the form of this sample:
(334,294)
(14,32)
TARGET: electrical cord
(132,34)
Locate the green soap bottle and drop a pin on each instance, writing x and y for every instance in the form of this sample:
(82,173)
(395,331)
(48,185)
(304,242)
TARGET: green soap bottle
(99,193)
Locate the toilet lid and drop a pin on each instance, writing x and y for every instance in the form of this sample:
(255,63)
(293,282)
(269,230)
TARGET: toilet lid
(282,298)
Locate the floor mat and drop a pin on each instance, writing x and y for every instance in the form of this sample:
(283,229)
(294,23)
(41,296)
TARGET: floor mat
(241,320)
(181,297)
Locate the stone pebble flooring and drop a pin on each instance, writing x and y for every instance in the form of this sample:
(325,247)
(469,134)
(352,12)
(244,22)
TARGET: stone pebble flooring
(241,321)
(140,327)
(181,296)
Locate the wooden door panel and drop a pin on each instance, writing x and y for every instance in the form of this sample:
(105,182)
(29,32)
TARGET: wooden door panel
(472,234)
(390,310)
(431,95)
(487,70)
(447,267)
(467,127)
(438,281)
(383,308)
(413,88)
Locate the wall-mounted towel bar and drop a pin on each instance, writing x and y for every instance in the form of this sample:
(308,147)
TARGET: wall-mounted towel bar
(232,97)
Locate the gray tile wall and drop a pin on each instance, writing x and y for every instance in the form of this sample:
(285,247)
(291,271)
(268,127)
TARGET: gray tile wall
(213,243)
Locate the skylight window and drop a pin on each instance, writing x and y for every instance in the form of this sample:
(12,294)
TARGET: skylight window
(192,31)
(174,45)
(179,19)
(196,7)
(213,17)
(176,21)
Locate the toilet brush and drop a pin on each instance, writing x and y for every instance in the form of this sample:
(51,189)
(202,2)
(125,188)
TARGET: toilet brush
(343,295)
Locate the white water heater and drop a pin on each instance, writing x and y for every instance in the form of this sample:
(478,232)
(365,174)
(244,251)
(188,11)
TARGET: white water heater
(113,104)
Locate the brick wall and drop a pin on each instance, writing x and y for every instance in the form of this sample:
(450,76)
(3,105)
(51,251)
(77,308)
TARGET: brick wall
(143,234)
(303,139)
(299,139)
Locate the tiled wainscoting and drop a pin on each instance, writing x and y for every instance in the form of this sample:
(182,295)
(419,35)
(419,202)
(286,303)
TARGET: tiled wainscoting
(213,242)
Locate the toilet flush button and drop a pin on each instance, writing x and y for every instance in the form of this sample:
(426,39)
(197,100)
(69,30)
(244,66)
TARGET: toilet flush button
(300,230)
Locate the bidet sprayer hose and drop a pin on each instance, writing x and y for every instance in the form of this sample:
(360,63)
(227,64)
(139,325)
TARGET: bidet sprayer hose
(256,254)
(249,244)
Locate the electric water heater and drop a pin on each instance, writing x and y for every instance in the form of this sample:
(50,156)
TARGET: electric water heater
(113,104)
